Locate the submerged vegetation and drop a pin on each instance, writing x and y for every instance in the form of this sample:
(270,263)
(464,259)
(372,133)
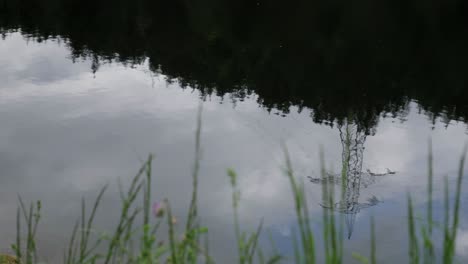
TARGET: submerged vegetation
(131,242)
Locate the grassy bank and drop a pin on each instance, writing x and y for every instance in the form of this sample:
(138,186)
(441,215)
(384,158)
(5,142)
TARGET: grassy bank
(138,229)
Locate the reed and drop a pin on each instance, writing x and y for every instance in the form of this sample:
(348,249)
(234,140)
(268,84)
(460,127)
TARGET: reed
(86,245)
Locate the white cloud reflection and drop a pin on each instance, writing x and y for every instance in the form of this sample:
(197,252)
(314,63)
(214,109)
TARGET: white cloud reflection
(66,133)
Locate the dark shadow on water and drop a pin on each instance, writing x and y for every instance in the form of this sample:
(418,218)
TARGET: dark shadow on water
(335,57)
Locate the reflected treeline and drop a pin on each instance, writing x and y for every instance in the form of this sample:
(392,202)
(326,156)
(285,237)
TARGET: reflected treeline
(352,178)
(340,58)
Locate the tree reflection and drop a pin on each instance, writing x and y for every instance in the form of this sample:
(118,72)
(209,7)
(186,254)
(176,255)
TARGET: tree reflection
(370,58)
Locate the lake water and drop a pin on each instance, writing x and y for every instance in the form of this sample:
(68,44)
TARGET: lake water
(88,90)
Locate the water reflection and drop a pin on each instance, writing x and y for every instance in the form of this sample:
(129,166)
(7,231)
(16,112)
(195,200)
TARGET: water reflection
(368,58)
(328,70)
(352,178)
(65,136)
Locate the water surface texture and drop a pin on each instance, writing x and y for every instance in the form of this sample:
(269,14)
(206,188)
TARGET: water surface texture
(89,88)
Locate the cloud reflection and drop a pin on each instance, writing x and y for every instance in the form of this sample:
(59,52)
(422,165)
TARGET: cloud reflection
(66,132)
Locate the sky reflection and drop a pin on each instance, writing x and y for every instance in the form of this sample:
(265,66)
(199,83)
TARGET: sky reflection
(66,132)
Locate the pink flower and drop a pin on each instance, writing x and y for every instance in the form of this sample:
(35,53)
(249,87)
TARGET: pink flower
(158,209)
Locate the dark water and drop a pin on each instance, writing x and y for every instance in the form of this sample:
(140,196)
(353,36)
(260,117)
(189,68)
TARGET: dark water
(89,88)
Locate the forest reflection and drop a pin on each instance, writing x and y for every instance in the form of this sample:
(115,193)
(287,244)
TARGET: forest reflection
(348,62)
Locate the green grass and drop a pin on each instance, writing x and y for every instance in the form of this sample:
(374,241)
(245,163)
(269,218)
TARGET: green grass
(133,242)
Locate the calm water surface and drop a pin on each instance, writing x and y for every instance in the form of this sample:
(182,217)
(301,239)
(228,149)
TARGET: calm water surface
(75,116)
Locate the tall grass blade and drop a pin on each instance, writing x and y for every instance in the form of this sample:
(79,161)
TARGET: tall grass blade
(452,234)
(115,241)
(458,194)
(254,242)
(373,257)
(69,257)
(172,242)
(87,226)
(17,247)
(447,239)
(413,240)
(196,168)
(307,238)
